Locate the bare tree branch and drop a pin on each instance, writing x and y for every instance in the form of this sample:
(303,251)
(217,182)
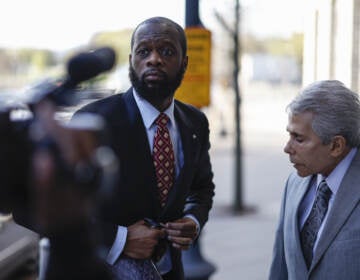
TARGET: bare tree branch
(223,23)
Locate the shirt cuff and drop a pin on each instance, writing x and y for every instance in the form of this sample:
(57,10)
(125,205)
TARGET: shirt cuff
(118,245)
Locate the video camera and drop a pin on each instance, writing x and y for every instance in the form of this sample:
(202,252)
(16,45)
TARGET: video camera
(20,138)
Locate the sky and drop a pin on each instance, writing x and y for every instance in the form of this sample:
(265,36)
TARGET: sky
(66,24)
(274,17)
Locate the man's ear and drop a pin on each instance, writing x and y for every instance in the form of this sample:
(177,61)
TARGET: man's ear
(185,62)
(338,145)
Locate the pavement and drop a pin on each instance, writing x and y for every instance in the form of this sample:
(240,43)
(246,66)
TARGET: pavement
(239,245)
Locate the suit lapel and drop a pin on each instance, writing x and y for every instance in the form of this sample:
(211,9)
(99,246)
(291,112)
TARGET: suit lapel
(137,128)
(299,192)
(189,140)
(190,145)
(346,199)
(140,148)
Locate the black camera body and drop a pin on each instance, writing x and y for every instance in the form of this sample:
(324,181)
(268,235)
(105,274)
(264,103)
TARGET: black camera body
(20,137)
(63,208)
(15,155)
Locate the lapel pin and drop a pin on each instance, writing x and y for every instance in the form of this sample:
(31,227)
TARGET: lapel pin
(194,136)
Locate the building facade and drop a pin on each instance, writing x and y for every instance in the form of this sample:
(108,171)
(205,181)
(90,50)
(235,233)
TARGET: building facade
(331,42)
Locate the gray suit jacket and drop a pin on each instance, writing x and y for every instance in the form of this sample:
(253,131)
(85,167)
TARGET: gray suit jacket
(337,255)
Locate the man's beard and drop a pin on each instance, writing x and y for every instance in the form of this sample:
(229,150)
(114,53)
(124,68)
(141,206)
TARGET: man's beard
(159,90)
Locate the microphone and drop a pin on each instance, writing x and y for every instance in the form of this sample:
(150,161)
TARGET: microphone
(81,67)
(87,65)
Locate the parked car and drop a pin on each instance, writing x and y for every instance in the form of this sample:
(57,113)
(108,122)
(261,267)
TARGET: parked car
(19,248)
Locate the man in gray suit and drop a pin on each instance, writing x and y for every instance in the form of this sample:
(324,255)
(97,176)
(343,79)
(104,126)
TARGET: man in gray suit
(318,235)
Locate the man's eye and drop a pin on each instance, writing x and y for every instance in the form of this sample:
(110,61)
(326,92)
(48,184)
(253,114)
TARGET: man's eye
(297,138)
(142,52)
(167,52)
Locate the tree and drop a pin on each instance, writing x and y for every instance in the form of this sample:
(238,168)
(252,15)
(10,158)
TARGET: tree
(118,40)
(233,31)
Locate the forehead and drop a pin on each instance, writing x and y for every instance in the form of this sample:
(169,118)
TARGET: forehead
(156,32)
(300,123)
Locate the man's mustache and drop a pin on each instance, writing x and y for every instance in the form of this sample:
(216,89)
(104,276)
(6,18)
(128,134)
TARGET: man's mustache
(155,72)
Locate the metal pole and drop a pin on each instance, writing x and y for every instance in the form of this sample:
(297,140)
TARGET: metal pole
(44,249)
(192,17)
(196,267)
(238,198)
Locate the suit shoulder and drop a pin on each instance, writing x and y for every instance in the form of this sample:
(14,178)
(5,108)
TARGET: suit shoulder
(190,110)
(103,106)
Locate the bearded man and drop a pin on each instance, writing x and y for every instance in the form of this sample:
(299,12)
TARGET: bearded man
(163,196)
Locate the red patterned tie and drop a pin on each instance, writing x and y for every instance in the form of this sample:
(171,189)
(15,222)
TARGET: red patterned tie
(163,157)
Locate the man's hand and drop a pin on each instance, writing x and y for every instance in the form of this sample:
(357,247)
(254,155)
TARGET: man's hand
(181,233)
(141,240)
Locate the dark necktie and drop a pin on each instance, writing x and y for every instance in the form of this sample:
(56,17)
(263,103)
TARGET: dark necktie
(312,224)
(163,158)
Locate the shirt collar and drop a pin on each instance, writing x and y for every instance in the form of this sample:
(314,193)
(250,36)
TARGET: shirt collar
(335,177)
(149,113)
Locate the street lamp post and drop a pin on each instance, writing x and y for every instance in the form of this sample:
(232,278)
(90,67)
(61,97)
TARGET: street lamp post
(196,267)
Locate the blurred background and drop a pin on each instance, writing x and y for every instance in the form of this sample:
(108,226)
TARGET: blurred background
(262,53)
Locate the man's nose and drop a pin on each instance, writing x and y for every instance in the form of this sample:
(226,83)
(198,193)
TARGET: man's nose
(288,149)
(154,58)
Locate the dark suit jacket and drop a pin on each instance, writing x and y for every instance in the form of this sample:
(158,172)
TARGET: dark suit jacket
(137,196)
(338,251)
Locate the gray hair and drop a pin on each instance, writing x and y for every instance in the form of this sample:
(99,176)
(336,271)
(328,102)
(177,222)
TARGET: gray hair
(336,110)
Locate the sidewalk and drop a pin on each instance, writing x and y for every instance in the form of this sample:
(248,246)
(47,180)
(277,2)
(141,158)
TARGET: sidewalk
(240,246)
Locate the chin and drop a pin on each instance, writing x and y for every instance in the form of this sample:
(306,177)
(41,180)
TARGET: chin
(303,173)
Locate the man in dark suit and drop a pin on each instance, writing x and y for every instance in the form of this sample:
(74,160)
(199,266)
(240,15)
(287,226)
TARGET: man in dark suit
(318,236)
(158,61)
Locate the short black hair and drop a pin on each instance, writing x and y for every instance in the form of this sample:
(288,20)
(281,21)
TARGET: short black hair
(180,30)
